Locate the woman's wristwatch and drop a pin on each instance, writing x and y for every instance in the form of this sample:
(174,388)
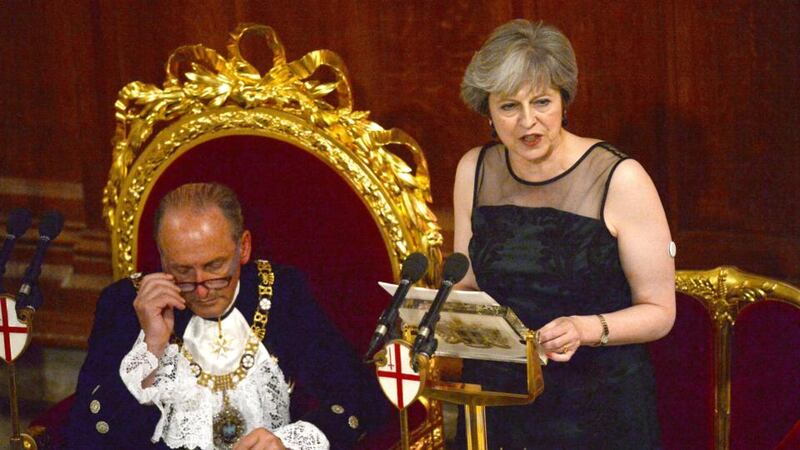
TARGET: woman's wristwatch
(604,336)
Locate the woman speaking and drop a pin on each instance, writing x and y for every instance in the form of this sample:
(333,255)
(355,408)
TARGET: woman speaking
(570,233)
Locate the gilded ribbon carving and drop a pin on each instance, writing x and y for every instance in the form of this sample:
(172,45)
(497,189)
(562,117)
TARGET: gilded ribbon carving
(205,94)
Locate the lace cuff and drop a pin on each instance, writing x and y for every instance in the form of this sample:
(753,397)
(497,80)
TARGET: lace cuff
(302,436)
(137,365)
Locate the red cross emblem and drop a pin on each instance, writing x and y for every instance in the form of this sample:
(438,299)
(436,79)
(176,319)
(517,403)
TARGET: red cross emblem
(397,379)
(15,333)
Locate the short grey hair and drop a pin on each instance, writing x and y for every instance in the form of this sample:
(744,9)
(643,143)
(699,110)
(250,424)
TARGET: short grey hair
(516,53)
(199,197)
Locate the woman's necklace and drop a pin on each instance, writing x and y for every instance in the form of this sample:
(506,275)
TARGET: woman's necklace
(229,423)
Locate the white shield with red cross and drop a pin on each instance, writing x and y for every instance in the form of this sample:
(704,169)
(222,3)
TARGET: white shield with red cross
(15,334)
(399,381)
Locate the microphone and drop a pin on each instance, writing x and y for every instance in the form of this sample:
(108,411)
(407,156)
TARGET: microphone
(455,267)
(28,297)
(413,268)
(19,220)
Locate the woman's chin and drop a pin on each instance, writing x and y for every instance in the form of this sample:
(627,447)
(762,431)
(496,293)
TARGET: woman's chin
(531,153)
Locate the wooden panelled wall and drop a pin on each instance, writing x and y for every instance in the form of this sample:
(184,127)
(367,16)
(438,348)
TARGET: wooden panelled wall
(704,94)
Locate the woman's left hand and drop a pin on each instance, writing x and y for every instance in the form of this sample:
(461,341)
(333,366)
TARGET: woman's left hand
(560,338)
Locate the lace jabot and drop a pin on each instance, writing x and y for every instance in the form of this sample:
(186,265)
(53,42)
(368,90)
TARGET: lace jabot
(188,409)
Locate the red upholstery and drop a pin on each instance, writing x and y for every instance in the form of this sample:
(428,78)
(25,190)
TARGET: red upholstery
(683,362)
(300,213)
(765,369)
(765,375)
(54,421)
(792,440)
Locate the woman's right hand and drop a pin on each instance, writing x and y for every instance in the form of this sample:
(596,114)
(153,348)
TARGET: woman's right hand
(154,304)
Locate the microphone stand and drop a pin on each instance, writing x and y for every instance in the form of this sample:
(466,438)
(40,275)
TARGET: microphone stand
(19,221)
(18,441)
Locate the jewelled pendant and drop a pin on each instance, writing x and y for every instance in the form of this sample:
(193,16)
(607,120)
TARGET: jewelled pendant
(228,426)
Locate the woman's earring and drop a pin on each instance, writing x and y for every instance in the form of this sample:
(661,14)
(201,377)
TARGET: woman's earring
(494,132)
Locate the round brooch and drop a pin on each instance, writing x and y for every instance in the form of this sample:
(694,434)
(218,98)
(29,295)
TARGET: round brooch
(248,360)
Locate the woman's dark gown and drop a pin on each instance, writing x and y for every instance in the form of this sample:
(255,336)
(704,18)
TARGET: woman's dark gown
(543,249)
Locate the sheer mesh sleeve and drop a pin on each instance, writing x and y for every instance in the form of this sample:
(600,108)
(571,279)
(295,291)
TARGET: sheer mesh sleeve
(580,189)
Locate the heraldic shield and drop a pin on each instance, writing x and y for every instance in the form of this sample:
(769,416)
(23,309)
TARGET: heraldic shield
(399,381)
(16,335)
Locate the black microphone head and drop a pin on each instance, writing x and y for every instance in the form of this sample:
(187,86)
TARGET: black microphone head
(414,267)
(51,225)
(455,267)
(19,220)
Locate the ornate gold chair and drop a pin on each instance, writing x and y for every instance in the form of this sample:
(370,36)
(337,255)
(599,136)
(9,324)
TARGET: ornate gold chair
(727,374)
(320,186)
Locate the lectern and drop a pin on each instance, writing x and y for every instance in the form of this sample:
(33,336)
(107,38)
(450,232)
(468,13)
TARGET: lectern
(472,326)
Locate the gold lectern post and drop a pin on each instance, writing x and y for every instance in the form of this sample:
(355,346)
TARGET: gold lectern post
(475,399)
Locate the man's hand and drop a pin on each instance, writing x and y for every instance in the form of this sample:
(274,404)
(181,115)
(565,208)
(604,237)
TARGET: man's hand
(154,304)
(259,439)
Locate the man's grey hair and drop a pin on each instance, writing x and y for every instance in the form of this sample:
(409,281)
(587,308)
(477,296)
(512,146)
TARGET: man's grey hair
(199,197)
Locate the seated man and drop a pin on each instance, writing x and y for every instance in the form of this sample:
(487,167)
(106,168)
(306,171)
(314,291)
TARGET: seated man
(204,355)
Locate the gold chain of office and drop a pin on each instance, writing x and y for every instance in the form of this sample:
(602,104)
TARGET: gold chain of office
(218,383)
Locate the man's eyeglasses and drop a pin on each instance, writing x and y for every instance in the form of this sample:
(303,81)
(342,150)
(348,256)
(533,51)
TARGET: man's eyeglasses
(214,283)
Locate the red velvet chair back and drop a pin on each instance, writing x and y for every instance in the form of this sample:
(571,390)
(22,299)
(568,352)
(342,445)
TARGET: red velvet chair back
(684,366)
(765,375)
(320,186)
(735,347)
(300,213)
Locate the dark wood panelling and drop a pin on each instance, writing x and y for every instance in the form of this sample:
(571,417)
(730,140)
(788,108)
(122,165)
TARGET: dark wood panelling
(703,94)
(732,136)
(39,113)
(621,88)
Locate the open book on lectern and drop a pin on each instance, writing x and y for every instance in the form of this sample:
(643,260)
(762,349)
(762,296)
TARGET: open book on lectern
(472,325)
